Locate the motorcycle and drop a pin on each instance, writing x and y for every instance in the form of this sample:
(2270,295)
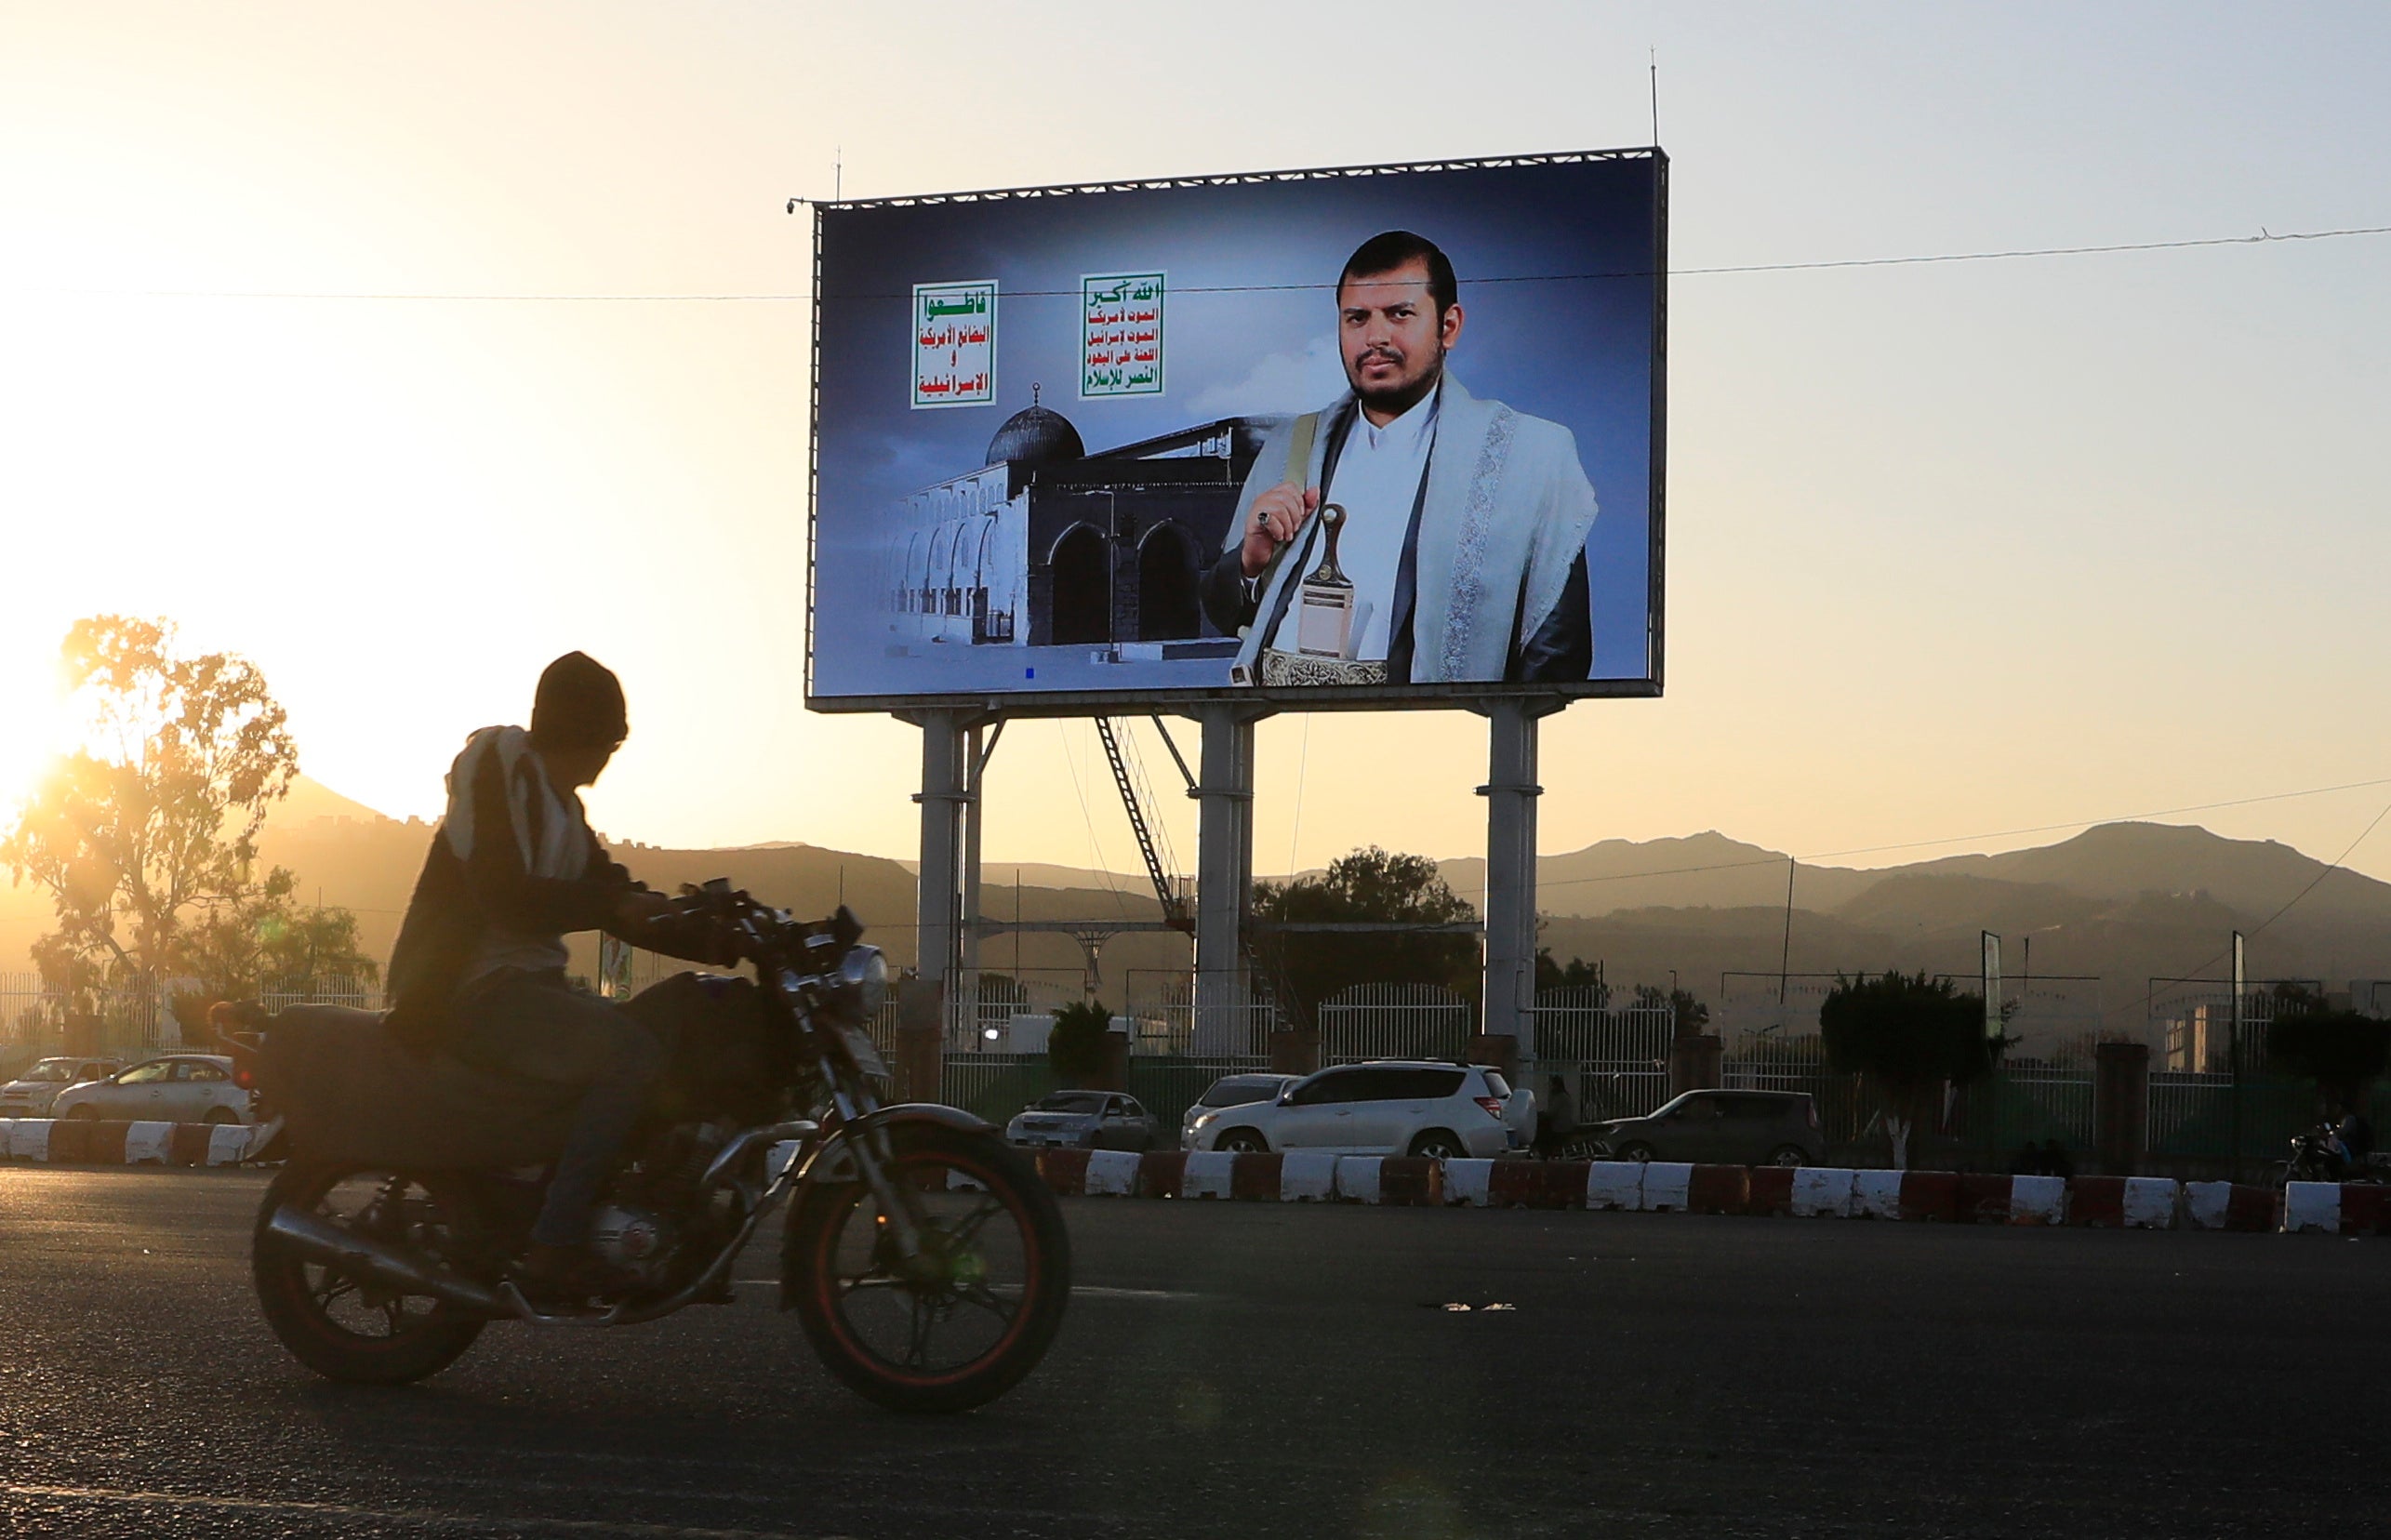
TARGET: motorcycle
(925,1260)
(2321,1155)
(2316,1156)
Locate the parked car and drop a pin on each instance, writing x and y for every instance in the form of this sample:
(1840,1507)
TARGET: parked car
(31,1094)
(1084,1120)
(1390,1107)
(177,1088)
(1233,1091)
(1718,1128)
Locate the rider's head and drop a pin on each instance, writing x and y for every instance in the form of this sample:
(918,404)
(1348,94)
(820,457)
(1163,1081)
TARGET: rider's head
(577,720)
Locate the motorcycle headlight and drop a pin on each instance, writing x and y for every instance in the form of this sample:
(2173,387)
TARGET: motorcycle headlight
(865,972)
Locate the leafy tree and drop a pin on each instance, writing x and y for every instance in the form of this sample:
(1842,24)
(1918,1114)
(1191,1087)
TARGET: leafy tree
(1692,1014)
(1577,973)
(151,825)
(259,937)
(2342,1051)
(1370,884)
(1075,1047)
(1908,1036)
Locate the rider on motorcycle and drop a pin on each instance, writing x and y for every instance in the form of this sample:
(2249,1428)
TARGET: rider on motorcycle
(479,969)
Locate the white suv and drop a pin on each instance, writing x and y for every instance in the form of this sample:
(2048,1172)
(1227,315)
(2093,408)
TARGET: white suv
(1391,1106)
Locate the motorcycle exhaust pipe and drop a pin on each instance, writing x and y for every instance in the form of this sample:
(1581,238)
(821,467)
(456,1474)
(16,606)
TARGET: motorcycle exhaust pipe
(320,1240)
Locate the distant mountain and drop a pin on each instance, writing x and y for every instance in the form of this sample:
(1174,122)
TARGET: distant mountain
(310,799)
(2121,860)
(2122,903)
(1705,870)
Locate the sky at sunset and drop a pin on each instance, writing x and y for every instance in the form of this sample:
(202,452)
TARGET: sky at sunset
(403,348)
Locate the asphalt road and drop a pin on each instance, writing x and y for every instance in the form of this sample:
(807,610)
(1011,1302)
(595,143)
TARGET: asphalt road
(1254,1371)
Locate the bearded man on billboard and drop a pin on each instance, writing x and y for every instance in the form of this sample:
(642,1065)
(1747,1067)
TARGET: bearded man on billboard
(1465,521)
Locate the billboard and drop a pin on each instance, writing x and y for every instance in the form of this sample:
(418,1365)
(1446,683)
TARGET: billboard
(1371,437)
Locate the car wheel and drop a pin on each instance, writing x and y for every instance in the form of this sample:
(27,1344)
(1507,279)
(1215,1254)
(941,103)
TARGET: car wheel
(1788,1155)
(1639,1153)
(1242,1141)
(83,1112)
(220,1116)
(1439,1144)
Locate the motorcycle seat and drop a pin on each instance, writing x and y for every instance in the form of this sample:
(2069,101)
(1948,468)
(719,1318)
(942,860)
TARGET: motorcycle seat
(352,1093)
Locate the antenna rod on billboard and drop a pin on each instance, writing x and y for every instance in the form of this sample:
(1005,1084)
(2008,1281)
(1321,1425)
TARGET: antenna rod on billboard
(1655,56)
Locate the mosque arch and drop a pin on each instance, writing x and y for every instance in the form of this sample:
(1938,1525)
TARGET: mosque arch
(1081,562)
(1168,609)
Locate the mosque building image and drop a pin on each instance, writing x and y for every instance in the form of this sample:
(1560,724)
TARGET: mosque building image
(1047,545)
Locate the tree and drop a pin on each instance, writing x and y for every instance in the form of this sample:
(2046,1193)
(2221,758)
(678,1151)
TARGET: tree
(1577,973)
(259,937)
(1908,1036)
(1691,1016)
(2342,1051)
(1075,1047)
(1370,884)
(151,825)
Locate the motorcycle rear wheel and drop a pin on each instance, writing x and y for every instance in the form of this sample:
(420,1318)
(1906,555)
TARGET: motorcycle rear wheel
(973,1316)
(362,1332)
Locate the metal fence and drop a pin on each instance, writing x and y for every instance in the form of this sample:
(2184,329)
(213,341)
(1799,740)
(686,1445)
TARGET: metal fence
(134,1021)
(1200,1016)
(1380,1021)
(1615,1062)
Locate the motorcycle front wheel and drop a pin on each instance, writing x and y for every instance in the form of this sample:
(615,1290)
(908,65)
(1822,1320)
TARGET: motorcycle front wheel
(357,1331)
(965,1319)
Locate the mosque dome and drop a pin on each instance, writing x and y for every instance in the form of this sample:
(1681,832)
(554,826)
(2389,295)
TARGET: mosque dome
(1035,436)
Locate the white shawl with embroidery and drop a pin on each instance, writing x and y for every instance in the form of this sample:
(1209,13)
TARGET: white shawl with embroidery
(1507,510)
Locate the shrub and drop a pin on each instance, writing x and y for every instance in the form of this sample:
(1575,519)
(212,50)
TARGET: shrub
(1075,1047)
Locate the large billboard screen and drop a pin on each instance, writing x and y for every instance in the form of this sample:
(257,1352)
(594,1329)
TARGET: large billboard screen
(1370,437)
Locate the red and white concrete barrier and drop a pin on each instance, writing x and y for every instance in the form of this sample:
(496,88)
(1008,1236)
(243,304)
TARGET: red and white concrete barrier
(1876,1194)
(2312,1206)
(1615,1185)
(1821,1192)
(2231,1206)
(82,1141)
(2037,1201)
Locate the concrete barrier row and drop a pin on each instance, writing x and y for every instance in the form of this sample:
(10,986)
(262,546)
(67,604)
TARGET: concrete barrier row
(2119,1202)
(74,1141)
(2122,1203)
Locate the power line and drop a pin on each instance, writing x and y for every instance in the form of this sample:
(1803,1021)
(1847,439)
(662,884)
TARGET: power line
(2264,237)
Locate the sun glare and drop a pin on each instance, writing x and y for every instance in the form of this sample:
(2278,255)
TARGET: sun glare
(29,709)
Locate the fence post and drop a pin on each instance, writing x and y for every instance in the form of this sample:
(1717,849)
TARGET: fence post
(921,1039)
(2120,1105)
(1499,1049)
(1294,1051)
(1695,1063)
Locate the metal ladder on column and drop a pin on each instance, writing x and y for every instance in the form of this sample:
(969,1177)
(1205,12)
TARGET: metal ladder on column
(1174,905)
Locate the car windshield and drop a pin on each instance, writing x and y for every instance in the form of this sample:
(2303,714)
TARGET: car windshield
(1072,1101)
(49,1071)
(1239,1092)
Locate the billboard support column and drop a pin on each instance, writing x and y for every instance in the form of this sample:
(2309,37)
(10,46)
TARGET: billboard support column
(979,747)
(939,910)
(1224,794)
(1511,792)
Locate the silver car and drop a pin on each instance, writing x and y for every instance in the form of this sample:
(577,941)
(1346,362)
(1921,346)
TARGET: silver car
(31,1094)
(177,1088)
(1232,1091)
(1084,1120)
